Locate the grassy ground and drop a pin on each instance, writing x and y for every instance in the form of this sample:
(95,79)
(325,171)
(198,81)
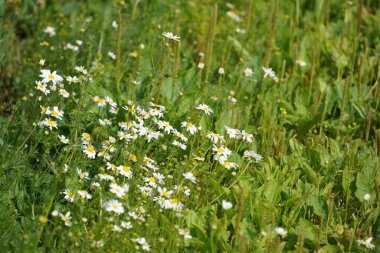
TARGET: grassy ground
(283,161)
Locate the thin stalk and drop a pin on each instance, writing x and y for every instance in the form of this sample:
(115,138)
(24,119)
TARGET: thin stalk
(368,123)
(176,54)
(239,215)
(272,35)
(343,101)
(118,52)
(210,42)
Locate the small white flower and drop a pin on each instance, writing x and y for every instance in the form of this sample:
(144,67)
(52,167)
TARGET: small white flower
(112,55)
(226,205)
(268,72)
(135,82)
(367,243)
(241,31)
(301,63)
(114,206)
(366,196)
(63,139)
(201,65)
(114,24)
(252,154)
(73,79)
(64,93)
(84,194)
(221,71)
(207,110)
(42,62)
(281,231)
(126,224)
(81,69)
(48,76)
(190,176)
(248,72)
(185,233)
(66,218)
(171,36)
(233,16)
(118,190)
(69,195)
(179,144)
(50,30)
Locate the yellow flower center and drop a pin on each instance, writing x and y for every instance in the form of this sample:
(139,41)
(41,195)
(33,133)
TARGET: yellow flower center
(151,179)
(220,150)
(133,158)
(126,168)
(51,123)
(51,77)
(90,149)
(173,201)
(55,113)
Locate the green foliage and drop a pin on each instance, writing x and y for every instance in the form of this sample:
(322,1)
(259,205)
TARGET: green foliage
(315,122)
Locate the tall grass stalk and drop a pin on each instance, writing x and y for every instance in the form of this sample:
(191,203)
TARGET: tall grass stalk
(210,42)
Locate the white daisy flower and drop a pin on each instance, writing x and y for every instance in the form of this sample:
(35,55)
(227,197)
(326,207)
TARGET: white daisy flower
(69,195)
(249,154)
(84,194)
(89,150)
(112,55)
(114,206)
(42,87)
(50,30)
(214,137)
(48,76)
(185,233)
(207,110)
(192,129)
(248,72)
(367,243)
(117,190)
(190,176)
(281,231)
(171,36)
(226,205)
(268,72)
(63,139)
(81,69)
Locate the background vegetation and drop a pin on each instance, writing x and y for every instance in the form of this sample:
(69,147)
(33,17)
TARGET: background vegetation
(316,126)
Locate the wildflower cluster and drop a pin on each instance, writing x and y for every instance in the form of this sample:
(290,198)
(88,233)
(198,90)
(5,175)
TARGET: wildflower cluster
(126,182)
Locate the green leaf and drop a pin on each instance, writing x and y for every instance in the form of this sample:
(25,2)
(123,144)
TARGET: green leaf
(319,205)
(364,183)
(307,230)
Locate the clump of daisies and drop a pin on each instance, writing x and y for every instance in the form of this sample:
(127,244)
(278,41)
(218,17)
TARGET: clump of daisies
(118,157)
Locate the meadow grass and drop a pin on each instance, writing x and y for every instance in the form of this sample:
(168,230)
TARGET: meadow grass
(189,126)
